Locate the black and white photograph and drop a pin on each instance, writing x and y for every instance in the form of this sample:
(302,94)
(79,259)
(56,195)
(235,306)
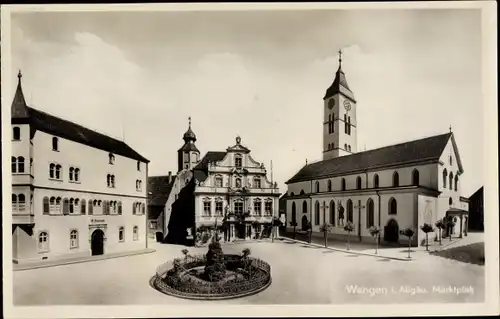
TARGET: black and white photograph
(170,159)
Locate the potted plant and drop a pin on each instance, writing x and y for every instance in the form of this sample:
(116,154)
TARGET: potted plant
(375,232)
(325,228)
(440,225)
(426,228)
(349,227)
(408,232)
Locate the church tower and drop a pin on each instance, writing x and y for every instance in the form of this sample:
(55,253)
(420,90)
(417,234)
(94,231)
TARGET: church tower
(188,154)
(339,122)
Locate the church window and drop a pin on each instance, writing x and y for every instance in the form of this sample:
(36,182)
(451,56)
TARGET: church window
(111,158)
(218,181)
(238,162)
(395,179)
(66,206)
(73,239)
(294,214)
(370,220)
(329,185)
(43,241)
(415,178)
(16,133)
(342,184)
(292,194)
(77,174)
(349,128)
(317,187)
(135,233)
(139,166)
(121,234)
(302,192)
(332,213)
(52,168)
(71,205)
(316,213)
(358,182)
(83,207)
(350,211)
(376,181)
(450,201)
(393,206)
(71,173)
(257,207)
(304,207)
(451,160)
(456,182)
(451,180)
(55,144)
(445,175)
(345,124)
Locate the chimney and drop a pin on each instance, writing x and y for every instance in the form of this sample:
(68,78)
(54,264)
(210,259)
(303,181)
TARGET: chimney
(170,177)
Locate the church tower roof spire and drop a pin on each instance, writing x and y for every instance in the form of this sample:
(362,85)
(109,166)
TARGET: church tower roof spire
(189,135)
(19,109)
(339,84)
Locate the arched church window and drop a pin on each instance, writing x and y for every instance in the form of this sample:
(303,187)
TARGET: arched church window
(358,182)
(393,206)
(349,211)
(445,175)
(329,185)
(370,219)
(451,180)
(317,187)
(316,213)
(349,128)
(395,179)
(375,181)
(304,207)
(415,178)
(342,184)
(456,182)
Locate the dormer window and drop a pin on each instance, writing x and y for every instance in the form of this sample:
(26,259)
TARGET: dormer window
(238,162)
(16,133)
(55,144)
(111,159)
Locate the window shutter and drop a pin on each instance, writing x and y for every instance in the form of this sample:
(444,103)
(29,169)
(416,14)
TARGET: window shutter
(65,206)
(83,207)
(46,207)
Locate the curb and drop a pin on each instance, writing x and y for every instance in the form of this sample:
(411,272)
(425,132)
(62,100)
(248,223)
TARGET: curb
(447,245)
(21,267)
(349,251)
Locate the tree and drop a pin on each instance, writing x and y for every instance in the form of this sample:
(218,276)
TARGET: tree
(408,232)
(426,228)
(326,228)
(349,227)
(294,225)
(375,232)
(440,225)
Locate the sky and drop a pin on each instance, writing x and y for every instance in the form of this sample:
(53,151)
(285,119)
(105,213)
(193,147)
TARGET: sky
(260,75)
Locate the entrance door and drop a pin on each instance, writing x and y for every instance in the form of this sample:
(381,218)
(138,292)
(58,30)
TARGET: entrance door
(391,231)
(97,242)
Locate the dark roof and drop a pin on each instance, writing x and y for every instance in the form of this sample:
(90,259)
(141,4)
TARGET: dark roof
(479,192)
(189,135)
(159,189)
(425,149)
(200,171)
(339,85)
(21,113)
(209,157)
(188,147)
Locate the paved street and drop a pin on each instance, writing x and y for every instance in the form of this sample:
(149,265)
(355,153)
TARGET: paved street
(301,275)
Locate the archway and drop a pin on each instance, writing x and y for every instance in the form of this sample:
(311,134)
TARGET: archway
(391,231)
(304,222)
(97,242)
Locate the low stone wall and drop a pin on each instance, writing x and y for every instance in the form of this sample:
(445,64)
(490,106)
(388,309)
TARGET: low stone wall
(204,290)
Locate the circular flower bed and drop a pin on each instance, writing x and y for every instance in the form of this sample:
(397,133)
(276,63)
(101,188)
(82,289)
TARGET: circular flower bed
(199,277)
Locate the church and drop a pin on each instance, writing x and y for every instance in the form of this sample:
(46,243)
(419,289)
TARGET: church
(227,186)
(393,187)
(76,193)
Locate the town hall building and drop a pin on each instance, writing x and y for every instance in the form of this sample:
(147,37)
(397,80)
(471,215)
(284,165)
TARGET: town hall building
(224,186)
(75,192)
(394,187)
